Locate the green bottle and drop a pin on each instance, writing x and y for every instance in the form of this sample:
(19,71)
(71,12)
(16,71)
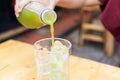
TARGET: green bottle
(34,15)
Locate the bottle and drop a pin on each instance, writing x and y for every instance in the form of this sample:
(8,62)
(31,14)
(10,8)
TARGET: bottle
(35,15)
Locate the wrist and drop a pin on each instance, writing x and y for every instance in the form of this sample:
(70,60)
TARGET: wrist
(53,4)
(56,1)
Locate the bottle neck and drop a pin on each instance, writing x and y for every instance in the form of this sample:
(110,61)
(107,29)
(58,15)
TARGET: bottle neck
(48,16)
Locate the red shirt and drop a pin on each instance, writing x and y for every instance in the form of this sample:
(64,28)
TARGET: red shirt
(110,17)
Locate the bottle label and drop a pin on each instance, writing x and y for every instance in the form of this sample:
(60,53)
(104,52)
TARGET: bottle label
(35,7)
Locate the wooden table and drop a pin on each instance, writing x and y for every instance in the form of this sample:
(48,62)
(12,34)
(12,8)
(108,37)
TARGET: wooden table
(17,63)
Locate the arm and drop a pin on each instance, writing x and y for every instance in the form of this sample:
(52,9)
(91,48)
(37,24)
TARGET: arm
(77,3)
(19,4)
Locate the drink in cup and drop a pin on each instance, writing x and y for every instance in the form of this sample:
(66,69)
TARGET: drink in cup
(52,62)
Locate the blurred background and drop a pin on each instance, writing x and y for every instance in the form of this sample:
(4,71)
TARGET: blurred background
(81,26)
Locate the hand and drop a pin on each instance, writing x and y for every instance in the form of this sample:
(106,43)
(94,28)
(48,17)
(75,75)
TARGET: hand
(19,4)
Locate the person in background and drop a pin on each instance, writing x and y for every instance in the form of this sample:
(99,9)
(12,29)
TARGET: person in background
(110,15)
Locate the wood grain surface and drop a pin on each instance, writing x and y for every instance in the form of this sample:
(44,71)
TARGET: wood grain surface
(17,63)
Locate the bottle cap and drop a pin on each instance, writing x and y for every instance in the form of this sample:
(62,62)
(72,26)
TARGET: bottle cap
(48,16)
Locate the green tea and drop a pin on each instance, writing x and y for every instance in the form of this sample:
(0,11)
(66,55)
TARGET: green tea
(49,19)
(34,16)
(30,19)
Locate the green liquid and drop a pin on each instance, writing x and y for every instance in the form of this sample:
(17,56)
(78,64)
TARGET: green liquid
(49,19)
(52,33)
(32,20)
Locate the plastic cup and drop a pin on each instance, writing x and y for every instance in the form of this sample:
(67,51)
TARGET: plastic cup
(52,63)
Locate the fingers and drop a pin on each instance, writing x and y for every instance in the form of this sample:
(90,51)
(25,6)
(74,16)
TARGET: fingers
(19,5)
(17,8)
(52,4)
(48,3)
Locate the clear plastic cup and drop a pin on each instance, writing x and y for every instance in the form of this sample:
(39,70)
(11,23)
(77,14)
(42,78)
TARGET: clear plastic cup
(52,62)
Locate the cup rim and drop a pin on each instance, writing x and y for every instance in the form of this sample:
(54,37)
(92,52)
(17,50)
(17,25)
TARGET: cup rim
(70,45)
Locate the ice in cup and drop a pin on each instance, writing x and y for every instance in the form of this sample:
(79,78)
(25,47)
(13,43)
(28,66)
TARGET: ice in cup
(52,62)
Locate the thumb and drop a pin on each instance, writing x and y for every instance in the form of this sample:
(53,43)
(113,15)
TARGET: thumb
(19,5)
(53,4)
